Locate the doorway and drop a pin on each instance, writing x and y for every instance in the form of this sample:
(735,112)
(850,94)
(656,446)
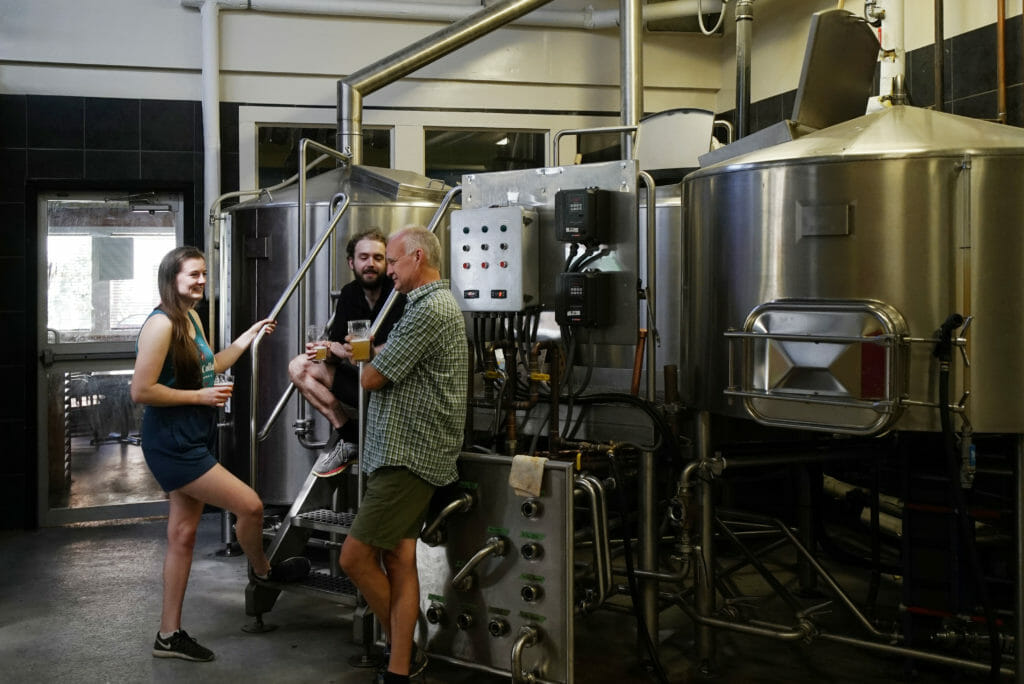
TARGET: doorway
(99,254)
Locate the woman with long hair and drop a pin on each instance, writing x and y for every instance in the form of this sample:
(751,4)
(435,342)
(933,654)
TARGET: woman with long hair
(174,374)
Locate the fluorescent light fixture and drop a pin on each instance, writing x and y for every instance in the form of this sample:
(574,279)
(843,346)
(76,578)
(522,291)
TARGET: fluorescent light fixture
(149,207)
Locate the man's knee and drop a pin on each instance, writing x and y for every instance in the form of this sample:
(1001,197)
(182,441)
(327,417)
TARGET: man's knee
(357,557)
(297,368)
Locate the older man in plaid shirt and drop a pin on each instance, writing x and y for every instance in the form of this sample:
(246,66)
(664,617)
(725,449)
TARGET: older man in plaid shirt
(414,426)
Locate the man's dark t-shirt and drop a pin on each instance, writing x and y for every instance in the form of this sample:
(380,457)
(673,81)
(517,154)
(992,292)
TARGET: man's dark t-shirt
(352,306)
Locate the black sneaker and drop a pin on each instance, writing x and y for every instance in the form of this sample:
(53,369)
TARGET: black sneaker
(417,662)
(181,645)
(289,570)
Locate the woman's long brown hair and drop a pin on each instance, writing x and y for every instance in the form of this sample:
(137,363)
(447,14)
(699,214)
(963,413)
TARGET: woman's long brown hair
(184,352)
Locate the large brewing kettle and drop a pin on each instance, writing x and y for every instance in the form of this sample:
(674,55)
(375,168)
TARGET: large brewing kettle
(908,212)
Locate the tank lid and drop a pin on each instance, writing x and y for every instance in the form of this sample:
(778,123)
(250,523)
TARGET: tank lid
(399,184)
(363,184)
(893,132)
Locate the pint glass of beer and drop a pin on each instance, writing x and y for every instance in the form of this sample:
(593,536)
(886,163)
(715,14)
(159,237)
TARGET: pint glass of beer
(317,336)
(359,338)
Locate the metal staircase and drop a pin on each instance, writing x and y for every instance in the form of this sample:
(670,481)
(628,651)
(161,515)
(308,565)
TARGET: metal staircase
(323,505)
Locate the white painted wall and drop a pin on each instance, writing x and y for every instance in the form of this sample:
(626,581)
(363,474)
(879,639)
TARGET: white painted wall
(152,49)
(780,37)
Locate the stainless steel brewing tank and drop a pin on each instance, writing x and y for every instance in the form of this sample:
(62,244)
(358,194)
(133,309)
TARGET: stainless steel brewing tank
(904,210)
(265,253)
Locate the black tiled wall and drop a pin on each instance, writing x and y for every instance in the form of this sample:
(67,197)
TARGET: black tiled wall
(969,80)
(84,143)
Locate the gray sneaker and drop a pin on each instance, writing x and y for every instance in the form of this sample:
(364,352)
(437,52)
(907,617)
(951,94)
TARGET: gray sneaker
(336,460)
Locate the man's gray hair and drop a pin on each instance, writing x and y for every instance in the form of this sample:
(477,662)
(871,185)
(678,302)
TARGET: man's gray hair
(418,237)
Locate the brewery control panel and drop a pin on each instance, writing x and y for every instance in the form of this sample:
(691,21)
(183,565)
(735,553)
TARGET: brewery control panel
(494,264)
(582,299)
(583,215)
(504,566)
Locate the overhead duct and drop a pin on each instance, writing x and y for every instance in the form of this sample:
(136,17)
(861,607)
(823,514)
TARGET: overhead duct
(352,89)
(586,18)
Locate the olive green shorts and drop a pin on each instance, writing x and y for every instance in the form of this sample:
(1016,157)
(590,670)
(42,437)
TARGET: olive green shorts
(393,508)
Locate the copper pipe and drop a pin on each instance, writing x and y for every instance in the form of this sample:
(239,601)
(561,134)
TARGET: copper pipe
(1001,61)
(638,361)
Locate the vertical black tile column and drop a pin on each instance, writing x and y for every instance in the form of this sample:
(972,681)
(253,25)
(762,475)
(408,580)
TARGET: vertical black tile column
(17,467)
(79,143)
(112,139)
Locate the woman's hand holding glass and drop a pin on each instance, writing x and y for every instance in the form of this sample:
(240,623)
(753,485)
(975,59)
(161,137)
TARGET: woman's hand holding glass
(218,395)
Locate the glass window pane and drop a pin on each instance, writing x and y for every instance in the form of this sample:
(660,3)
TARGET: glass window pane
(277,151)
(101,263)
(95,457)
(598,147)
(452,153)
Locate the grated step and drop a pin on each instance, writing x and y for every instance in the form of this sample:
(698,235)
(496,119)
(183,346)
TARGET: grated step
(323,581)
(325,520)
(338,589)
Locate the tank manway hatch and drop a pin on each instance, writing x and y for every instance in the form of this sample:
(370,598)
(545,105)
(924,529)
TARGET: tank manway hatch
(835,83)
(398,184)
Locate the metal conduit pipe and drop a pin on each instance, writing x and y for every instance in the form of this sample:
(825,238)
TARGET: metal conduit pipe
(911,653)
(892,62)
(744,33)
(1001,61)
(352,89)
(705,583)
(822,572)
(648,493)
(939,56)
(798,633)
(631,56)
(210,19)
(586,18)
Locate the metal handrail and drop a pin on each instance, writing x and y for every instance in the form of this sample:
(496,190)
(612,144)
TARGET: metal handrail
(432,227)
(884,339)
(276,413)
(289,291)
(304,145)
(594,490)
(578,131)
(215,241)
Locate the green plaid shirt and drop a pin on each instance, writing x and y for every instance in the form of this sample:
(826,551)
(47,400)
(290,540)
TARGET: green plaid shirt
(416,420)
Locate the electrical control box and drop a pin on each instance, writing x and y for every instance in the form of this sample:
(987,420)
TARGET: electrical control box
(582,299)
(583,215)
(494,262)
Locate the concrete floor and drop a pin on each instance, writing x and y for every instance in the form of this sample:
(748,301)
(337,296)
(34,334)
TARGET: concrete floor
(81,604)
